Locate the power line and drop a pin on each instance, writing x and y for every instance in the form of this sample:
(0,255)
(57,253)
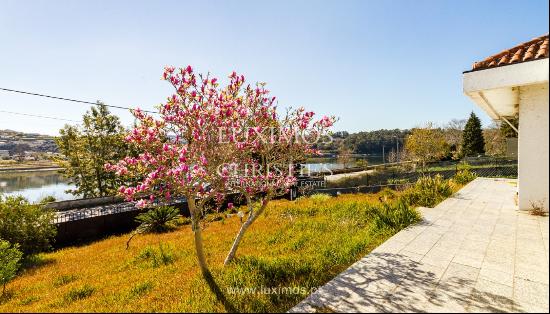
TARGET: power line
(38,116)
(69,99)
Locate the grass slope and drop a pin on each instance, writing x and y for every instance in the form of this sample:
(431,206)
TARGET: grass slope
(300,244)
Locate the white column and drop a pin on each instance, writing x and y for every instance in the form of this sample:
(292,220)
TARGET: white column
(533,146)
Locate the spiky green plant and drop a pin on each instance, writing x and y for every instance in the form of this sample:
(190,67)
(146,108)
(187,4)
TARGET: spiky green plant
(464,176)
(428,191)
(158,219)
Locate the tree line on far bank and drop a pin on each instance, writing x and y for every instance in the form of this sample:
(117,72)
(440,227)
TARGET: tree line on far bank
(457,139)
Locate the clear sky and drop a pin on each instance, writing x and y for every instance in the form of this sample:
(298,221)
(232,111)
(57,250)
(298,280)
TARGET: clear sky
(374,64)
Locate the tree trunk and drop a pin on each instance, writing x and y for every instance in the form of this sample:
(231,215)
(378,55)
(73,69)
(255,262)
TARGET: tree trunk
(237,241)
(197,236)
(206,274)
(251,218)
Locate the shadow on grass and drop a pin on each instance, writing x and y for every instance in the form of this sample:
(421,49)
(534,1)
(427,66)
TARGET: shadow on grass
(31,263)
(256,284)
(6,296)
(220,296)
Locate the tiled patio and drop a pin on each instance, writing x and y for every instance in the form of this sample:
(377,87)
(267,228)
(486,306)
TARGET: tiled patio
(474,252)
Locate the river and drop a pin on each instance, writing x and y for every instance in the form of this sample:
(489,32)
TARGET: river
(35,185)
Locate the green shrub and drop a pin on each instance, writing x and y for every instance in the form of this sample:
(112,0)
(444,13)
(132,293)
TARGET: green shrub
(182,221)
(155,258)
(396,216)
(63,280)
(48,199)
(320,197)
(29,300)
(140,289)
(10,257)
(29,225)
(387,194)
(79,293)
(398,181)
(463,177)
(428,191)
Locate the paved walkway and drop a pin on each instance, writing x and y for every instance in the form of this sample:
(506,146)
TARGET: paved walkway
(474,252)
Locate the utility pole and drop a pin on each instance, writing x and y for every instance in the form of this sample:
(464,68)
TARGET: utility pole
(397,151)
(383,156)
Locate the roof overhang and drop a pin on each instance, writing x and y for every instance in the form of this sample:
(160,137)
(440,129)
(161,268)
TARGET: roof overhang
(496,90)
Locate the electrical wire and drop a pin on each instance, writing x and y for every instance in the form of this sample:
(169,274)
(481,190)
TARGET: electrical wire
(68,99)
(38,116)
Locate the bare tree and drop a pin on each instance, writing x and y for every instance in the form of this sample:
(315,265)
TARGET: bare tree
(495,142)
(344,155)
(453,136)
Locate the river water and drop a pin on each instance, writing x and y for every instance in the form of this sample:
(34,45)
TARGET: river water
(35,185)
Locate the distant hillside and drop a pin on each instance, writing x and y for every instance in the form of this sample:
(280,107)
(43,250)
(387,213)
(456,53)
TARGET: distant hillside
(19,142)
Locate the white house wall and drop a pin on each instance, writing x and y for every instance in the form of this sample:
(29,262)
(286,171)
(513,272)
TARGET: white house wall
(533,145)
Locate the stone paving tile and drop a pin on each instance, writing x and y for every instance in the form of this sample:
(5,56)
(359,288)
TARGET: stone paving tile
(529,308)
(452,247)
(439,257)
(474,246)
(531,292)
(490,288)
(405,236)
(390,247)
(423,243)
(466,273)
(413,256)
(528,273)
(447,301)
(497,276)
(471,260)
(409,299)
(536,261)
(474,252)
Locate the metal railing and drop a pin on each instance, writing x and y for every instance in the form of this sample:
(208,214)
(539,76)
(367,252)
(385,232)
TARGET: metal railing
(408,173)
(84,213)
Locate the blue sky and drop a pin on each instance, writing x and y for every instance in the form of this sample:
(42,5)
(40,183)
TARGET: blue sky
(374,64)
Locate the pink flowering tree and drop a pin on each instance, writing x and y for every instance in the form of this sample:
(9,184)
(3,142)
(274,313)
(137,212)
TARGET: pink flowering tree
(181,152)
(209,141)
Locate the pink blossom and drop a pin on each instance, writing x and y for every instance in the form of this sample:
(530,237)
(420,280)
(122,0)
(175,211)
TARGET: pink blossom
(141,204)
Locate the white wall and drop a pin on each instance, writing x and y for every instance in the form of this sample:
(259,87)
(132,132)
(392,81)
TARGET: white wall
(533,145)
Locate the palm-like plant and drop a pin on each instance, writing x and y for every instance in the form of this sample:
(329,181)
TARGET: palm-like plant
(157,219)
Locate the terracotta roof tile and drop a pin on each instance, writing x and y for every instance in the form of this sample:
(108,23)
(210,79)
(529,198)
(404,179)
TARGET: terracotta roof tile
(534,49)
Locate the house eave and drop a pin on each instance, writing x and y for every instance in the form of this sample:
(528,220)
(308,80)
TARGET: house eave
(518,74)
(496,90)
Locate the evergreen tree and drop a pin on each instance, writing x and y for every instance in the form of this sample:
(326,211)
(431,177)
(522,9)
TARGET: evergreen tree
(473,143)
